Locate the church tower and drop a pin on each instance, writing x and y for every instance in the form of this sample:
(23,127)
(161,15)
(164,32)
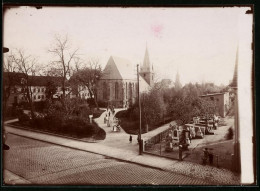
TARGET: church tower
(147,69)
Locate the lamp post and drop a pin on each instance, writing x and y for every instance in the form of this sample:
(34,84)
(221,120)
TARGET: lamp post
(139,103)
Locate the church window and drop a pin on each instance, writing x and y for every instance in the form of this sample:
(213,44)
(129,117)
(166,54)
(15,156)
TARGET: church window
(133,88)
(116,90)
(108,91)
(104,90)
(126,90)
(130,90)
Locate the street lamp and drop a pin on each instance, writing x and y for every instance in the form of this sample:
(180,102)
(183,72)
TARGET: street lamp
(139,103)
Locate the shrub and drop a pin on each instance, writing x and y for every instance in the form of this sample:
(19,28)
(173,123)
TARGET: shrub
(91,102)
(40,106)
(10,112)
(24,105)
(122,114)
(102,104)
(230,133)
(78,126)
(23,118)
(84,112)
(40,122)
(100,135)
(97,113)
(54,121)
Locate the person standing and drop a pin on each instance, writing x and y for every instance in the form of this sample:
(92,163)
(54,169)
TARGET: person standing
(130,139)
(105,119)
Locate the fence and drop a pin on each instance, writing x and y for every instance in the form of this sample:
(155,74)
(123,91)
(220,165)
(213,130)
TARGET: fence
(157,144)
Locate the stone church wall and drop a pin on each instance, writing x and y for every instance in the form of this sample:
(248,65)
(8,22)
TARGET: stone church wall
(124,96)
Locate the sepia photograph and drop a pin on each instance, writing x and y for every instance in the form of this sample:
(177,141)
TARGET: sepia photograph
(97,96)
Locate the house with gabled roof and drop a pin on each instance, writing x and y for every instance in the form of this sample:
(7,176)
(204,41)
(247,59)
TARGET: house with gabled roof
(118,83)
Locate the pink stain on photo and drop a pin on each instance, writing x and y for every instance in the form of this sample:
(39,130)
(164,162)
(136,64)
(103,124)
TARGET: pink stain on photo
(157,30)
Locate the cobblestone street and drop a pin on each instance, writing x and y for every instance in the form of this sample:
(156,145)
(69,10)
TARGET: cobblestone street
(44,163)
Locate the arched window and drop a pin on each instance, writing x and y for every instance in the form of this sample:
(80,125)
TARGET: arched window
(116,90)
(130,91)
(136,86)
(104,90)
(133,88)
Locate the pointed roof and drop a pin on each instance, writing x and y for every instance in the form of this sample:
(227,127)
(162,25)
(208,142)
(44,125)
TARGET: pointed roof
(119,68)
(234,81)
(177,81)
(146,63)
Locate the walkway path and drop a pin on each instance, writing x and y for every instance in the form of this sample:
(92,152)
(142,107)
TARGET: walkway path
(116,145)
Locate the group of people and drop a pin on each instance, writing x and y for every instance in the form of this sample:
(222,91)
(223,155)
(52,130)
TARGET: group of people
(110,112)
(131,138)
(109,118)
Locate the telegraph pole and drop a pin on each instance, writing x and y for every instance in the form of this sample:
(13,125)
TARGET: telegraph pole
(139,104)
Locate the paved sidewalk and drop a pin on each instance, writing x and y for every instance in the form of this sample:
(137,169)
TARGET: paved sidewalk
(116,145)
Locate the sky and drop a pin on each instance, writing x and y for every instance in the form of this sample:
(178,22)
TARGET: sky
(199,43)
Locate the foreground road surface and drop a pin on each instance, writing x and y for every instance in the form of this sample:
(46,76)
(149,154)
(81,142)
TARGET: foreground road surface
(39,162)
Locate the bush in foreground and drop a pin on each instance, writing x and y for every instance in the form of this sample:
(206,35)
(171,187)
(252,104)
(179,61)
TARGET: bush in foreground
(230,133)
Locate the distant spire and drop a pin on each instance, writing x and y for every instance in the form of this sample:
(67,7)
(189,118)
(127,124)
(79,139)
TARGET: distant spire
(234,81)
(177,81)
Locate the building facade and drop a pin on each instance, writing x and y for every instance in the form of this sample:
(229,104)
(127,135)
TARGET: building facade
(221,100)
(13,83)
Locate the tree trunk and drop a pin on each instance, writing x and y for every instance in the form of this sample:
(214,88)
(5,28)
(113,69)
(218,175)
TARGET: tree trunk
(63,92)
(96,103)
(29,97)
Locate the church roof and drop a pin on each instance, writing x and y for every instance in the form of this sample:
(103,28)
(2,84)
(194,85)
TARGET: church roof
(119,68)
(122,69)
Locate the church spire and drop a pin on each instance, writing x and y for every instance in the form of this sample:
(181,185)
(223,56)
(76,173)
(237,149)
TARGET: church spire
(146,63)
(178,85)
(147,69)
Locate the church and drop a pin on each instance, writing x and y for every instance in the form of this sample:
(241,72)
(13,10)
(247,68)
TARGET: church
(118,84)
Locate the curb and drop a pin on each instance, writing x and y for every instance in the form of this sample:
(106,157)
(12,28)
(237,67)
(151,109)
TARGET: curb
(48,133)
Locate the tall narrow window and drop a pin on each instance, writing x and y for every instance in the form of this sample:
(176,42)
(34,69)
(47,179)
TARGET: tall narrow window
(116,90)
(126,90)
(108,91)
(104,90)
(130,90)
(133,88)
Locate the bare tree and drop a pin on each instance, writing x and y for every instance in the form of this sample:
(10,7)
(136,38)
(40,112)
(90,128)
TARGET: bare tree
(10,79)
(89,76)
(65,56)
(27,65)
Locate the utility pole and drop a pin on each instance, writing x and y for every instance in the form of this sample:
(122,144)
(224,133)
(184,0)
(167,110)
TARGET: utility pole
(139,104)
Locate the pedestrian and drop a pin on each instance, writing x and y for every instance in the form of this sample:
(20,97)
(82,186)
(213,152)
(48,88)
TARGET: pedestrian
(105,119)
(138,138)
(205,155)
(109,114)
(130,139)
(108,122)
